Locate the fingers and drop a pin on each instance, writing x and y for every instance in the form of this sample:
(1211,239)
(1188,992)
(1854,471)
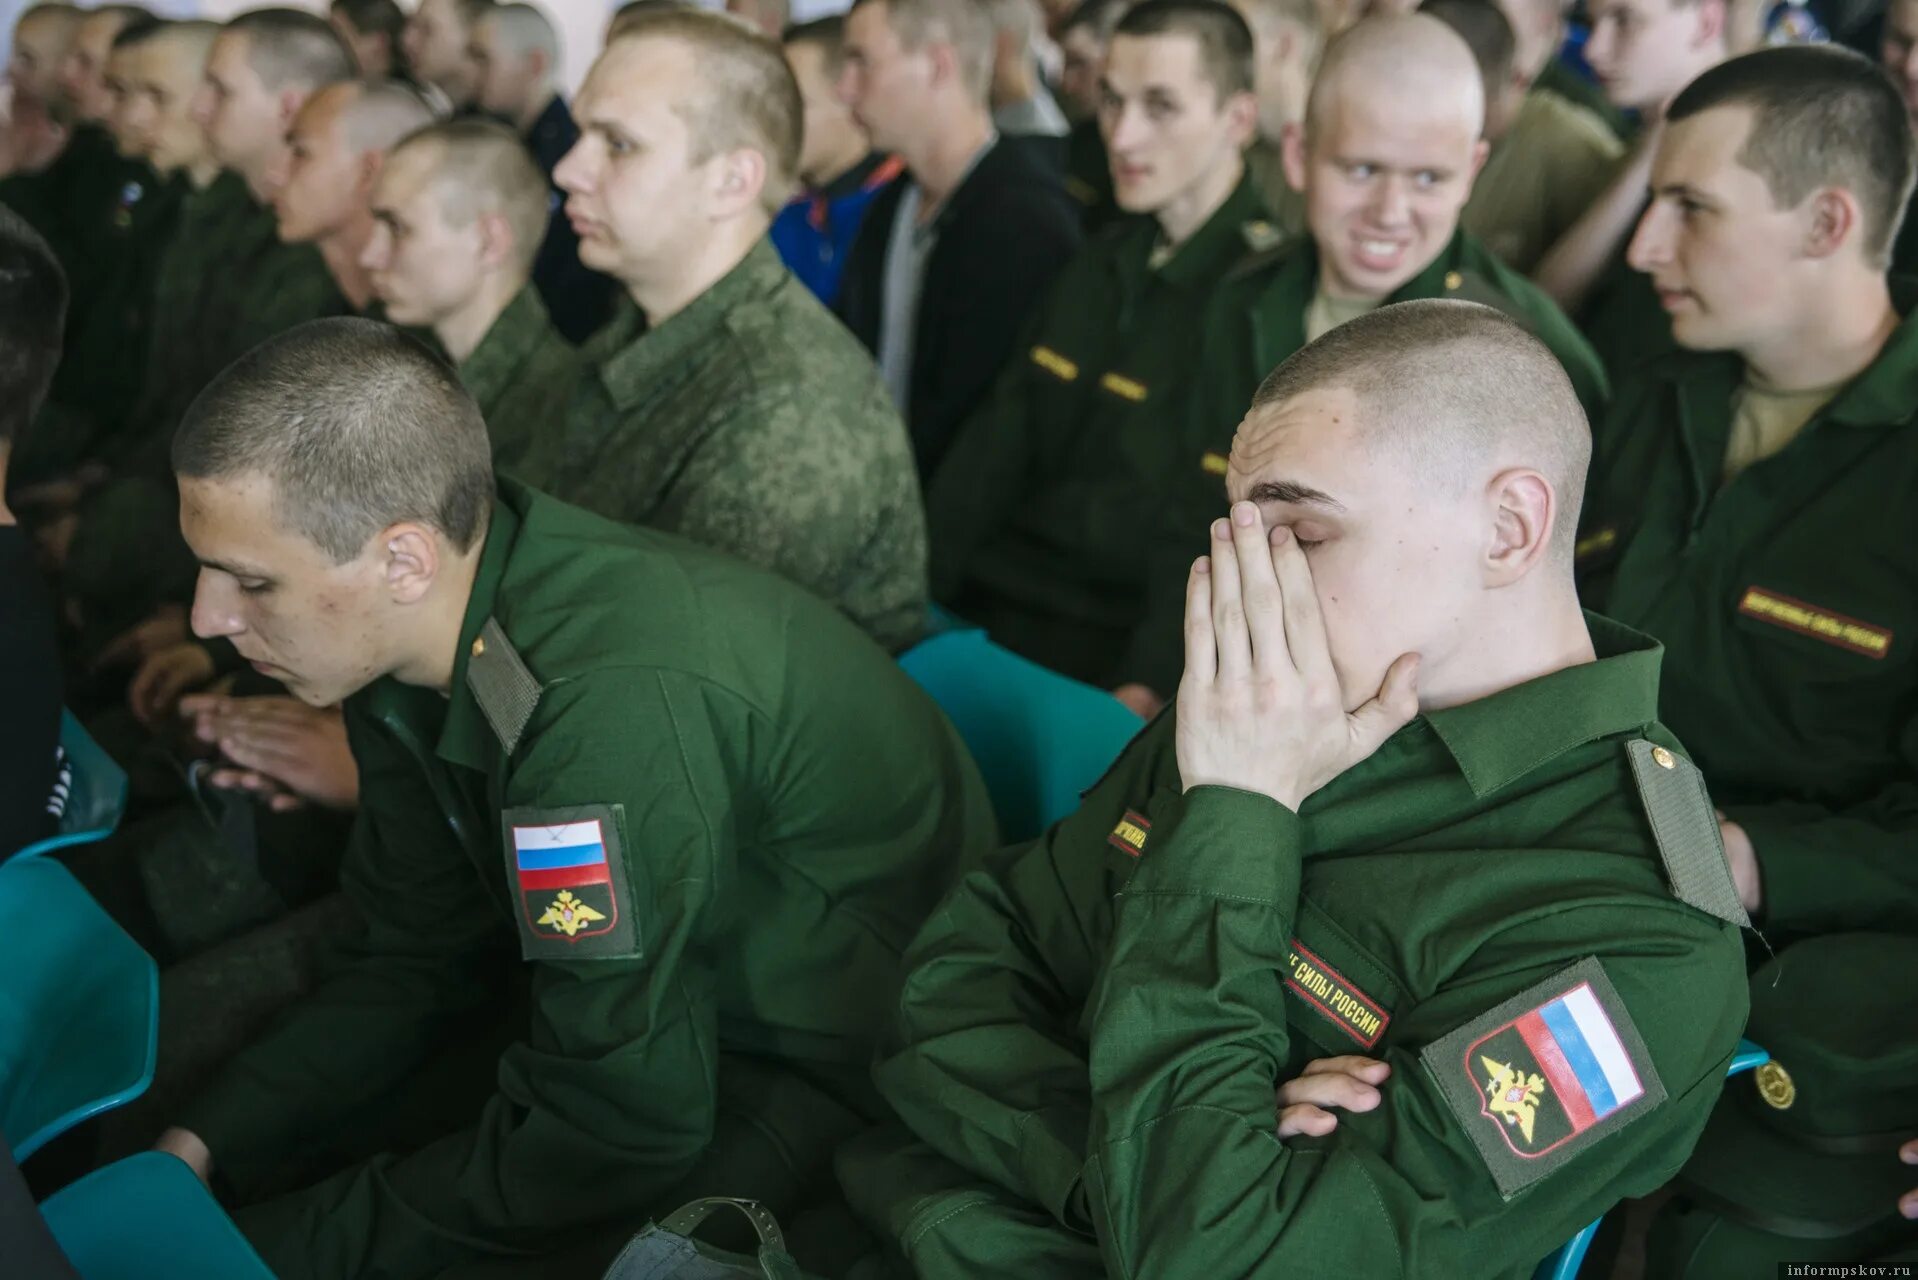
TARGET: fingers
(1330,1089)
(1394,707)
(1264,606)
(1306,1121)
(1311,651)
(1228,606)
(126,647)
(1201,651)
(1909,1152)
(1370,1070)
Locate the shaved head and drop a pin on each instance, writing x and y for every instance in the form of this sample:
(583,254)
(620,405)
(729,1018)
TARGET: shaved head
(1414,58)
(1457,390)
(477,167)
(375,114)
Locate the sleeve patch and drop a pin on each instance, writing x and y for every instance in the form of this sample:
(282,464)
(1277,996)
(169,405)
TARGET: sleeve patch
(567,869)
(1546,1074)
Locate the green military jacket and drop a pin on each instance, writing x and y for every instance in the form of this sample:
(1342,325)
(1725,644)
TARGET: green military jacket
(1257,321)
(752,421)
(1788,604)
(521,374)
(649,784)
(224,289)
(1092,1029)
(1036,511)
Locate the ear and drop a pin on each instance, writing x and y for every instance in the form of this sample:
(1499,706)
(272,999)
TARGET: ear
(411,561)
(1242,118)
(1481,150)
(1712,18)
(1293,155)
(291,100)
(1524,509)
(944,60)
(739,177)
(371,163)
(1832,220)
(538,63)
(496,240)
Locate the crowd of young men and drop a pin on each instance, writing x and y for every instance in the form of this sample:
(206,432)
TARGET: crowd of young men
(1489,485)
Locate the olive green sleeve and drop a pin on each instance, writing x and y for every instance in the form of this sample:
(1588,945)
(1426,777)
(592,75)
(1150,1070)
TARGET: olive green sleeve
(608,1100)
(1187,1175)
(416,962)
(986,1059)
(1824,869)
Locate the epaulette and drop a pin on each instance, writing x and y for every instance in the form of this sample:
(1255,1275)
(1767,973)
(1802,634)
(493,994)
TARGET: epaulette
(506,691)
(1686,828)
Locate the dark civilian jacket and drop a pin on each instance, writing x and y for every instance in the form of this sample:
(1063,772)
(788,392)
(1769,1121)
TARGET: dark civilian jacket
(578,298)
(1002,237)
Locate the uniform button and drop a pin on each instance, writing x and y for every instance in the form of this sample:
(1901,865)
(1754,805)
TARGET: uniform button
(1453,279)
(1661,757)
(479,647)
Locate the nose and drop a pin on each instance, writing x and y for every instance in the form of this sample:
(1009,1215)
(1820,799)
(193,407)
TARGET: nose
(213,613)
(278,170)
(845,86)
(1126,129)
(378,253)
(201,110)
(571,173)
(1651,245)
(1392,204)
(1599,45)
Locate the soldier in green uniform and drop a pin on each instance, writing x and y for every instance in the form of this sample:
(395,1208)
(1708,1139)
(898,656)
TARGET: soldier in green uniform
(727,404)
(1386,162)
(1288,40)
(1412,850)
(1644,52)
(1036,511)
(459,213)
(1800,1162)
(1749,495)
(623,761)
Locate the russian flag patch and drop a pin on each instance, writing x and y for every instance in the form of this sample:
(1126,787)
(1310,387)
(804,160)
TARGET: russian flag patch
(1547,1072)
(570,877)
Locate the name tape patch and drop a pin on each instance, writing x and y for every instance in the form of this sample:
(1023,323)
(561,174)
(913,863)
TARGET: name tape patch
(1593,543)
(1335,996)
(1130,835)
(567,868)
(1214,463)
(1820,624)
(1123,387)
(1054,363)
(1546,1074)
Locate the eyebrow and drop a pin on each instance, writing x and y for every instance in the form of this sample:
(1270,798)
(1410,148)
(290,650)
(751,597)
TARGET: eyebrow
(1291,491)
(1685,191)
(233,570)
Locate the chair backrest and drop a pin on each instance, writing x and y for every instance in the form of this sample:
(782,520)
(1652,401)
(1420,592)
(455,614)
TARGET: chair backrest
(92,791)
(79,1006)
(147,1217)
(1040,738)
(1563,1262)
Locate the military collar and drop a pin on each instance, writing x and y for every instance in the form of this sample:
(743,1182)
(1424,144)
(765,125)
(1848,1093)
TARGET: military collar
(467,739)
(515,334)
(635,363)
(1886,393)
(1219,241)
(1499,739)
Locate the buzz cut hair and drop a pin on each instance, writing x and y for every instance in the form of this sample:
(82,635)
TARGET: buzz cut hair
(1220,31)
(1488,33)
(827,34)
(68,16)
(1821,116)
(374,17)
(745,96)
(479,167)
(633,10)
(962,24)
(525,29)
(382,112)
(1414,53)
(1100,17)
(136,31)
(293,49)
(1302,19)
(33,314)
(355,425)
(1454,387)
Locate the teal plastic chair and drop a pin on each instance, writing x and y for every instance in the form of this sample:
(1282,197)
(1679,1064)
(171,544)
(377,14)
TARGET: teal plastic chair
(148,1218)
(93,788)
(1564,1262)
(1040,738)
(79,1008)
